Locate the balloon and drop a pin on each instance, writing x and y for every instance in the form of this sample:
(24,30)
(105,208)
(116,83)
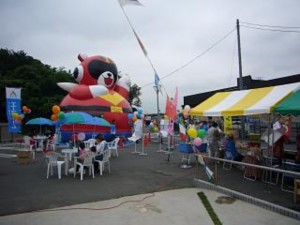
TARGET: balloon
(192,132)
(134,119)
(28,111)
(14,115)
(166,117)
(54,117)
(61,115)
(24,108)
(55,109)
(201,133)
(142,116)
(81,136)
(197,141)
(140,111)
(187,108)
(130,116)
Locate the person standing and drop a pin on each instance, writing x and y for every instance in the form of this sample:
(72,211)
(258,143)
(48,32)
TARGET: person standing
(113,129)
(213,138)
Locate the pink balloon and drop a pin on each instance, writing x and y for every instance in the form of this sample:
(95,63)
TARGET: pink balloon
(197,141)
(81,136)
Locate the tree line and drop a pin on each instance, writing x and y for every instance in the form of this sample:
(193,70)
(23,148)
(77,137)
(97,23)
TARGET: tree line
(38,83)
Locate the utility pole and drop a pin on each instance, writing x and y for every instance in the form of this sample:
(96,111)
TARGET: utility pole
(241,85)
(156,88)
(239,55)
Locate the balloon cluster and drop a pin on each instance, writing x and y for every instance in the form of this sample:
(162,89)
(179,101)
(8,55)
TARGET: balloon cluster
(197,135)
(18,117)
(153,126)
(136,115)
(57,113)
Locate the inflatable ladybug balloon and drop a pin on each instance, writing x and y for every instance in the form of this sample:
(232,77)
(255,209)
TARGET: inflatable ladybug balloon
(100,91)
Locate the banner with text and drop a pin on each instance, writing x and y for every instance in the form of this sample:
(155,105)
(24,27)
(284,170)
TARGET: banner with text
(13,105)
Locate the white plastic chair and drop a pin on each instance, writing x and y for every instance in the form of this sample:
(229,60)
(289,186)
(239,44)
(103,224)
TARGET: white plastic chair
(87,162)
(89,143)
(52,161)
(113,146)
(104,162)
(51,144)
(27,146)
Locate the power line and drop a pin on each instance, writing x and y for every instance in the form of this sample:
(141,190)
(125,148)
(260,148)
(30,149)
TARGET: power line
(267,29)
(195,58)
(265,25)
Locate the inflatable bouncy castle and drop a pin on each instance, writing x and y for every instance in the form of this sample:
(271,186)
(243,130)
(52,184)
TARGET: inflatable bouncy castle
(100,91)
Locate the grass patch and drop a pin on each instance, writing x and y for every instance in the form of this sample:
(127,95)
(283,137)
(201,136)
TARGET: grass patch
(209,209)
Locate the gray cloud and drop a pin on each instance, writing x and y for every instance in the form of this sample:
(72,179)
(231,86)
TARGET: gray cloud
(173,32)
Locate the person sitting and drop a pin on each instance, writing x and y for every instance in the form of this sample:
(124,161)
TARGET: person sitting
(100,147)
(230,148)
(81,149)
(81,153)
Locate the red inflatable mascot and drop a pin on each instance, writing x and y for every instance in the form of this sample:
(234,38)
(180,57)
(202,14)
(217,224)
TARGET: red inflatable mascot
(100,91)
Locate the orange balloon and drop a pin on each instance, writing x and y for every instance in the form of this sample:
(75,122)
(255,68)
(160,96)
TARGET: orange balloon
(55,109)
(24,108)
(54,117)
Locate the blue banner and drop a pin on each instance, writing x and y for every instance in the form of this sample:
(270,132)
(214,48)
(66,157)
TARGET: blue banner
(13,105)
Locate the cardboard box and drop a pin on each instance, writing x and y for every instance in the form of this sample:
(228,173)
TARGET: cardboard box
(24,157)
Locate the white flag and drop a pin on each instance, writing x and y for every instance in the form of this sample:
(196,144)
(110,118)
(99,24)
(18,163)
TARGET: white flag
(129,2)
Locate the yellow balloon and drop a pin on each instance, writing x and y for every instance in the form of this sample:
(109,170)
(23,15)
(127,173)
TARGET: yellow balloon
(192,132)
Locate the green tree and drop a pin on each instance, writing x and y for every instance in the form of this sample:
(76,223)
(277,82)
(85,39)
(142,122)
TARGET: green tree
(134,95)
(37,80)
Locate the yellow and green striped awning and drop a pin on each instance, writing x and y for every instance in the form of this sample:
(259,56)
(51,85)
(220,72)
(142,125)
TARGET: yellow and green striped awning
(245,102)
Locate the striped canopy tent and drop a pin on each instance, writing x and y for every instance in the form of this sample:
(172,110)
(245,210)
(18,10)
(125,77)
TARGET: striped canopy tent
(290,105)
(244,102)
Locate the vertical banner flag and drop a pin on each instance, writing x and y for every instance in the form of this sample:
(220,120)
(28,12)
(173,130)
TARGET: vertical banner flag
(13,105)
(129,2)
(171,106)
(140,43)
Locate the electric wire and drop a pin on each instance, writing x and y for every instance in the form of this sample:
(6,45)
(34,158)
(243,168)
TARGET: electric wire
(268,29)
(265,25)
(195,58)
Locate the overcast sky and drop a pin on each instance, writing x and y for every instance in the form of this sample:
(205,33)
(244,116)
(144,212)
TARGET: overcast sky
(174,32)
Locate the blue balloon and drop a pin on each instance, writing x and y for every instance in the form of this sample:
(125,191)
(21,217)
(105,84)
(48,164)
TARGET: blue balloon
(130,116)
(140,111)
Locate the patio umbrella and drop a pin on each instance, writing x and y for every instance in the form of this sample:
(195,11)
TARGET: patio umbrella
(97,121)
(77,118)
(40,121)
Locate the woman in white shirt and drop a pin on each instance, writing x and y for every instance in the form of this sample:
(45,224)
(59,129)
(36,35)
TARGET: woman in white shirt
(100,146)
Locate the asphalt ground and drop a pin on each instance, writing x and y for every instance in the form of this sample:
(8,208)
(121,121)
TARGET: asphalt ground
(24,188)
